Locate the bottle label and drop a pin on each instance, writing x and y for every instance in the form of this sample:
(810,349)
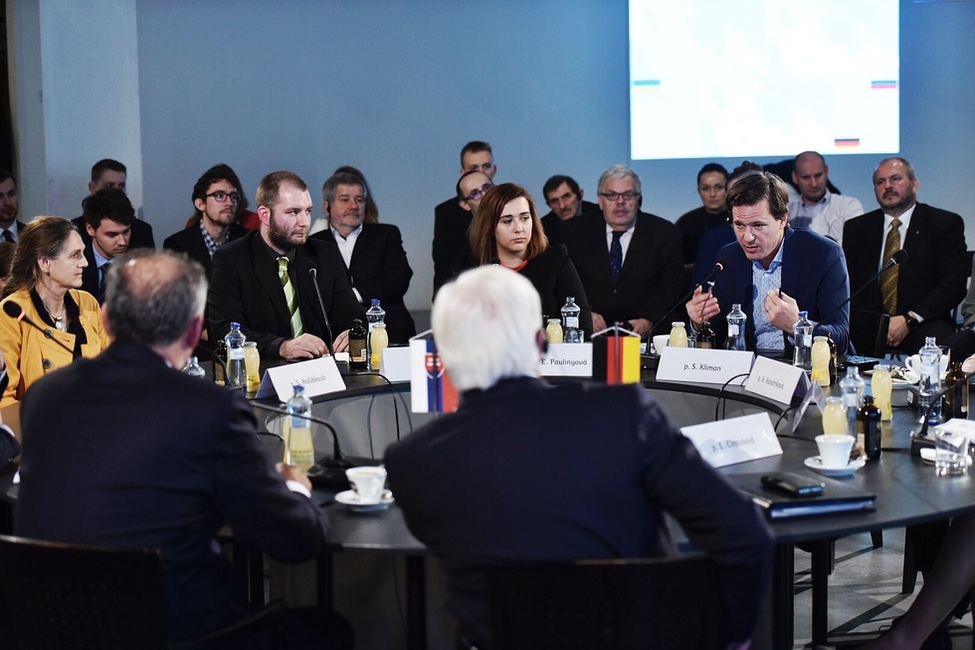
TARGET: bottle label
(572,321)
(807,340)
(850,401)
(235,354)
(732,329)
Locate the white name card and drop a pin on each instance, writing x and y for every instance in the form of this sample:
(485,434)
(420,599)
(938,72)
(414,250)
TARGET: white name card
(395,364)
(774,379)
(567,360)
(735,440)
(702,365)
(318,376)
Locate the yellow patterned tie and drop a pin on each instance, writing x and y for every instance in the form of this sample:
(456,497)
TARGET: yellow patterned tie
(888,283)
(297,328)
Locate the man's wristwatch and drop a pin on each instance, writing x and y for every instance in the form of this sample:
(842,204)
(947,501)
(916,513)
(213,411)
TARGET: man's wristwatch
(912,323)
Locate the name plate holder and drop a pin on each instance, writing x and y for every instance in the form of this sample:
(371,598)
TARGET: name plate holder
(567,360)
(395,363)
(735,440)
(702,365)
(318,376)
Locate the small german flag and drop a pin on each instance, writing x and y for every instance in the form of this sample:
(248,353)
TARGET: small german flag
(616,357)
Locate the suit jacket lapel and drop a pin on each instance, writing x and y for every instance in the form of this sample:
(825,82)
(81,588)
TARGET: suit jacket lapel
(640,233)
(266,272)
(791,262)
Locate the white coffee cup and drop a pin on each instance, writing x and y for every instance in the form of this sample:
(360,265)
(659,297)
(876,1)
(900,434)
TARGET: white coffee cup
(660,342)
(367,482)
(913,363)
(834,449)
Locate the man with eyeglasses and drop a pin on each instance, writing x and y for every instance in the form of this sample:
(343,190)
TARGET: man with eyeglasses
(629,261)
(375,261)
(111,174)
(215,200)
(453,217)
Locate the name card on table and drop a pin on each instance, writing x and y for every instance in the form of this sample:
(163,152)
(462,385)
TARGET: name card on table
(774,379)
(395,364)
(318,376)
(567,360)
(702,365)
(735,440)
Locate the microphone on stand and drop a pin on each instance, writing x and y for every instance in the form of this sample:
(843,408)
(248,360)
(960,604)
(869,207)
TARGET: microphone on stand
(313,270)
(16,312)
(900,257)
(718,267)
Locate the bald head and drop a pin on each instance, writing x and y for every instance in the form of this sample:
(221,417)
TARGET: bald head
(153,297)
(811,176)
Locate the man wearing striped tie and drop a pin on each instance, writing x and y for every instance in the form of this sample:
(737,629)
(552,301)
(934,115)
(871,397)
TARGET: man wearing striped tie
(266,280)
(920,294)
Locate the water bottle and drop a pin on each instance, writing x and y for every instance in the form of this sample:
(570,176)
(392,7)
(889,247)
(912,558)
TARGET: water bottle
(930,383)
(374,315)
(802,332)
(297,430)
(236,368)
(570,321)
(194,369)
(851,388)
(736,328)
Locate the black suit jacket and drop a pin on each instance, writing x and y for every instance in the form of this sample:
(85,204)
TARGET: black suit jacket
(451,248)
(190,241)
(89,275)
(245,289)
(652,276)
(515,475)
(931,283)
(157,459)
(379,269)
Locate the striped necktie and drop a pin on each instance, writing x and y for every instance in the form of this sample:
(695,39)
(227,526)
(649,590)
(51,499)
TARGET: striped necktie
(297,328)
(888,283)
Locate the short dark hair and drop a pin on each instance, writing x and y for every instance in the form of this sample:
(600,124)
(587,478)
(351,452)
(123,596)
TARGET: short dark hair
(5,175)
(554,182)
(755,186)
(151,297)
(712,167)
(270,187)
(474,146)
(104,165)
(109,203)
(221,172)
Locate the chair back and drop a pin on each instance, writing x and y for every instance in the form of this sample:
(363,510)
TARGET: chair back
(65,596)
(607,604)
(868,332)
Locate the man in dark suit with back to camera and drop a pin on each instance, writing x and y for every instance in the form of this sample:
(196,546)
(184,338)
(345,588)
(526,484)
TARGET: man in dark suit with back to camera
(372,252)
(175,461)
(264,280)
(516,476)
(629,261)
(774,272)
(920,294)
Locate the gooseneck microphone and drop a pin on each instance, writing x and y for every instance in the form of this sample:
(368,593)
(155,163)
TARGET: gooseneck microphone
(313,271)
(17,312)
(718,267)
(900,257)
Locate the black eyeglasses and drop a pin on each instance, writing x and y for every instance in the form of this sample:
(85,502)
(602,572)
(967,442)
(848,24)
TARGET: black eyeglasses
(477,194)
(220,196)
(613,197)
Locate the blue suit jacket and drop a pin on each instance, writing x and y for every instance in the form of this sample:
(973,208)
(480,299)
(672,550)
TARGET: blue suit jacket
(813,272)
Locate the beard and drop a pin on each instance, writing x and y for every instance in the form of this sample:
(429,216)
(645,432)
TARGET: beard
(281,239)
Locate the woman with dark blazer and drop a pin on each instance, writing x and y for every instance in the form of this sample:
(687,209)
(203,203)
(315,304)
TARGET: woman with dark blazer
(506,231)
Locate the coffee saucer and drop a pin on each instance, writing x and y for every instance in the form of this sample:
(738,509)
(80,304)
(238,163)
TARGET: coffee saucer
(815,463)
(358,504)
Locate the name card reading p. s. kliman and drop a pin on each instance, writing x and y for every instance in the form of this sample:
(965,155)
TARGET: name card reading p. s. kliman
(735,440)
(702,365)
(318,376)
(774,379)
(567,360)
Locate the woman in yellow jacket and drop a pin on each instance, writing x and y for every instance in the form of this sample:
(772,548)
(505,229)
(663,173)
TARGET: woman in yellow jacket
(44,278)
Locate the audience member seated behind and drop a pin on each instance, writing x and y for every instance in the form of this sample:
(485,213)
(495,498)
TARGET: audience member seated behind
(506,230)
(774,272)
(712,181)
(44,279)
(513,476)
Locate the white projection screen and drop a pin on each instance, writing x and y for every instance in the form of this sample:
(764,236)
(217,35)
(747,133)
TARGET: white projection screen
(750,78)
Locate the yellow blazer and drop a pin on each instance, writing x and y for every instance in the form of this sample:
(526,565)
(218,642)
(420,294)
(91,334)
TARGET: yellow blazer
(29,355)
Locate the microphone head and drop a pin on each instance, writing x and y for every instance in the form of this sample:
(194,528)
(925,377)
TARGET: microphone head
(721,264)
(312,267)
(900,257)
(13,309)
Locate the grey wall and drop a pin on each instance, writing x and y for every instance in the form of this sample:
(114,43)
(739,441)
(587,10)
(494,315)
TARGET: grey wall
(395,87)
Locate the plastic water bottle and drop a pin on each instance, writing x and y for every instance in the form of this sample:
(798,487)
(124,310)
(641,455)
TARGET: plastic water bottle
(297,430)
(930,383)
(570,321)
(236,368)
(736,328)
(194,369)
(375,314)
(852,387)
(802,332)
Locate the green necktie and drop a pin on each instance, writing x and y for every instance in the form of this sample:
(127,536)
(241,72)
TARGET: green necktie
(297,328)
